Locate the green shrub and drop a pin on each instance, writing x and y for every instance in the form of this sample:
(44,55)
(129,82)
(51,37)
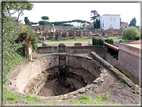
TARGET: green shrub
(110,41)
(92,40)
(84,97)
(130,33)
(121,41)
(101,42)
(97,41)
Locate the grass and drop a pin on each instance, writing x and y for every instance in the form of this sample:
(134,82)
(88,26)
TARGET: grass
(33,99)
(14,62)
(111,37)
(29,99)
(70,39)
(84,99)
(52,44)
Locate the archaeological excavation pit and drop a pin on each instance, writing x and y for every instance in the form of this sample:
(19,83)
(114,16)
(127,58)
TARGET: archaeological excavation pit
(56,75)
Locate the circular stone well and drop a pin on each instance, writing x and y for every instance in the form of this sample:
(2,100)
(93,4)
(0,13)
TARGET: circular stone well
(61,75)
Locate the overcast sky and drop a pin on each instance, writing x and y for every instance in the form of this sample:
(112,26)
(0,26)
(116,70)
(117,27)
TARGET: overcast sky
(82,11)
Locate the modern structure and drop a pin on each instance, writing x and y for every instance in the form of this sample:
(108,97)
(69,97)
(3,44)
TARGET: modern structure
(110,21)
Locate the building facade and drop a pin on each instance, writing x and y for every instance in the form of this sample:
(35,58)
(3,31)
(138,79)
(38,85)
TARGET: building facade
(110,21)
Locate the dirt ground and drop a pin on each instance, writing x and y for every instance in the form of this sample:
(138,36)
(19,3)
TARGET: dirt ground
(118,91)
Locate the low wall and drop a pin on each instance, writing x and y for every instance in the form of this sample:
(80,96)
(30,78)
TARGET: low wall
(101,50)
(44,50)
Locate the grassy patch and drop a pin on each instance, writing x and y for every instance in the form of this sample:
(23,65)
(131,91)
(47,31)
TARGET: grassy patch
(33,99)
(10,63)
(84,99)
(110,37)
(52,44)
(28,99)
(78,38)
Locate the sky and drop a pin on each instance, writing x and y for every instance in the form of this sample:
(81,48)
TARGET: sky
(82,11)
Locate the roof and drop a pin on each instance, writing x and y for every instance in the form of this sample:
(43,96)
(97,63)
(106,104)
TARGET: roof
(111,15)
(112,46)
(134,44)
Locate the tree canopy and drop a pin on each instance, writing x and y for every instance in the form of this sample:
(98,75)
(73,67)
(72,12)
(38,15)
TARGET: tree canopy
(28,22)
(133,22)
(44,23)
(11,31)
(130,33)
(45,18)
(16,7)
(95,15)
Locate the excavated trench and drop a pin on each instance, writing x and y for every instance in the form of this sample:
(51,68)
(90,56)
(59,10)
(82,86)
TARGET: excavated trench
(65,81)
(57,74)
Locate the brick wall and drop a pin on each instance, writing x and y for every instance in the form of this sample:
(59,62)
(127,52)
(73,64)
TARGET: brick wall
(100,50)
(128,58)
(111,60)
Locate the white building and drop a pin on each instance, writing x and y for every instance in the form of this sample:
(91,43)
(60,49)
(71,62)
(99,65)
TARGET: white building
(110,21)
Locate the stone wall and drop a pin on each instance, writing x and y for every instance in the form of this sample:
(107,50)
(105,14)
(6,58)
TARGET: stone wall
(116,72)
(101,50)
(31,70)
(49,49)
(111,60)
(21,79)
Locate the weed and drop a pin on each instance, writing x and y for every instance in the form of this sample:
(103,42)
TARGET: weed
(84,97)
(108,90)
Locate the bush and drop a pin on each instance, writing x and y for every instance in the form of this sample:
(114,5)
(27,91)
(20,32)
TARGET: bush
(97,41)
(121,41)
(130,33)
(110,41)
(92,40)
(84,97)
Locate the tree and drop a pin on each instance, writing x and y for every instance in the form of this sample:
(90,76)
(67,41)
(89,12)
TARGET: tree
(44,23)
(16,7)
(130,33)
(97,24)
(95,15)
(95,18)
(133,22)
(11,31)
(45,18)
(27,21)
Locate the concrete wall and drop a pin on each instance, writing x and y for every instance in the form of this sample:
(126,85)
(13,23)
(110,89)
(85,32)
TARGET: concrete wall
(128,58)
(100,50)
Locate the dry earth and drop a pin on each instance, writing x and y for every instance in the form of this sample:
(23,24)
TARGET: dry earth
(118,91)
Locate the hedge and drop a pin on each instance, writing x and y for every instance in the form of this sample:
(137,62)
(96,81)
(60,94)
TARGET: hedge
(110,41)
(97,41)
